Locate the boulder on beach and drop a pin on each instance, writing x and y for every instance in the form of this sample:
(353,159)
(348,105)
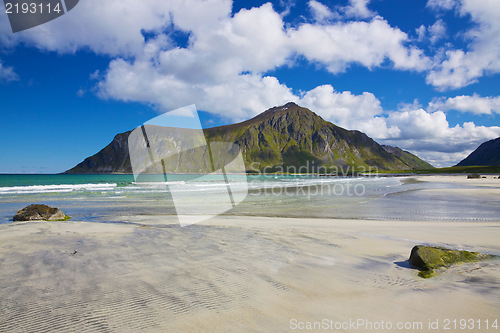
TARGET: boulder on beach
(474,176)
(428,258)
(37,212)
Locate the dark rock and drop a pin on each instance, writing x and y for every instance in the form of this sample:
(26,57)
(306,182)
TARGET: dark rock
(428,258)
(474,176)
(488,153)
(38,212)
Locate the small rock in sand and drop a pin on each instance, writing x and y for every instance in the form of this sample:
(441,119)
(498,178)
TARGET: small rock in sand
(37,212)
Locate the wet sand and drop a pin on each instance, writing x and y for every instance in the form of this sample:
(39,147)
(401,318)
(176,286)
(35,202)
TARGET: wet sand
(238,274)
(488,180)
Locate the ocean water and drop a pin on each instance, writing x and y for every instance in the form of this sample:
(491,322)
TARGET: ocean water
(100,197)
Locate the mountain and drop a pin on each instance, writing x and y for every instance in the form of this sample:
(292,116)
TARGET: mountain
(113,158)
(286,136)
(412,161)
(487,154)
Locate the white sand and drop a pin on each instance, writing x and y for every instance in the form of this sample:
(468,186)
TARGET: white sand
(236,274)
(488,181)
(488,187)
(241,274)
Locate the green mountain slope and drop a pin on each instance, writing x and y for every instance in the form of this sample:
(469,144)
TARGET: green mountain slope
(283,138)
(412,161)
(487,154)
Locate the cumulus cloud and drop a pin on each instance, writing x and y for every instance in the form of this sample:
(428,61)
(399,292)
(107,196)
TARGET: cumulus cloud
(458,68)
(351,111)
(256,40)
(223,67)
(257,35)
(473,104)
(437,31)
(222,71)
(421,31)
(429,134)
(366,43)
(7,74)
(426,133)
(440,160)
(442,4)
(114,27)
(321,12)
(358,9)
(237,98)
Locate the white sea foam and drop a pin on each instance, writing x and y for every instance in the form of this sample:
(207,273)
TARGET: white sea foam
(180,182)
(64,188)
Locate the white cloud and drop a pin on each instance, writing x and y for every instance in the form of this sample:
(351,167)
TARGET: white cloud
(366,43)
(358,9)
(409,106)
(355,9)
(347,110)
(7,74)
(94,75)
(321,12)
(429,132)
(237,98)
(222,70)
(419,124)
(458,68)
(253,40)
(439,159)
(437,31)
(442,4)
(473,104)
(114,27)
(421,32)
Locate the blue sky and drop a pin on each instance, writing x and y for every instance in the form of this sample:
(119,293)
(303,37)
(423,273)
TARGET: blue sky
(420,75)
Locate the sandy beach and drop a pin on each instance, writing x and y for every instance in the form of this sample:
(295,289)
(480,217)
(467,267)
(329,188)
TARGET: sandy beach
(488,181)
(244,274)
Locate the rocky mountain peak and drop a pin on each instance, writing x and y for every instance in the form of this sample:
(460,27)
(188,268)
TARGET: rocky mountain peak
(287,135)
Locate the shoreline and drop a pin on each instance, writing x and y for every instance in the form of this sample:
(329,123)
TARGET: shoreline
(488,180)
(244,273)
(234,274)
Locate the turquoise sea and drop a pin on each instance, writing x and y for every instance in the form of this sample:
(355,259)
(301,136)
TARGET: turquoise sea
(98,197)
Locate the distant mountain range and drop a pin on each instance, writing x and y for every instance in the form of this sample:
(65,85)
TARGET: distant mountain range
(413,161)
(487,154)
(286,136)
